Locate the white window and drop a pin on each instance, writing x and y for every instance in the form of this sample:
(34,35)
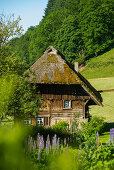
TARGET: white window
(67,104)
(39,121)
(27,122)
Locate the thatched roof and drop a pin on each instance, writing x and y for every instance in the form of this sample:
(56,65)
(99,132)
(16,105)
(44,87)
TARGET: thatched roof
(52,68)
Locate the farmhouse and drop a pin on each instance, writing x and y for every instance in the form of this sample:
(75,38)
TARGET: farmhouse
(64,90)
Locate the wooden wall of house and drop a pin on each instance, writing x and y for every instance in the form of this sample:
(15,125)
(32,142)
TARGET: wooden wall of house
(52,105)
(54,109)
(54,97)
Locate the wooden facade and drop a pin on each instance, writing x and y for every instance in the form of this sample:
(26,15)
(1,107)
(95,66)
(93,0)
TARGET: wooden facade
(65,92)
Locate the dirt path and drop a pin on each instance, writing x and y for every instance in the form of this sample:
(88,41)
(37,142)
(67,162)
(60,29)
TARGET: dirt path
(111,90)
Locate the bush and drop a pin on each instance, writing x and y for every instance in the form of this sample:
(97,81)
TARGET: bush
(95,125)
(97,158)
(51,131)
(61,126)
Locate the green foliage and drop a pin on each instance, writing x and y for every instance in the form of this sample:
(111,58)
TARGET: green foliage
(54,5)
(18,97)
(96,26)
(46,30)
(9,27)
(12,154)
(60,132)
(95,125)
(7,90)
(67,160)
(80,29)
(75,123)
(68,40)
(63,126)
(25,101)
(23,47)
(97,158)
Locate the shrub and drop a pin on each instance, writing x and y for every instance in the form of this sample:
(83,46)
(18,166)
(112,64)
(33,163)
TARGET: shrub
(95,125)
(61,126)
(97,158)
(51,131)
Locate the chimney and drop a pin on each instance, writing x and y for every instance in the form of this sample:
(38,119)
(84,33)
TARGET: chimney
(76,66)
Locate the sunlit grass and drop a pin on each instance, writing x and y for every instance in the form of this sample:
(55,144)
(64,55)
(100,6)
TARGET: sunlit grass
(100,73)
(101,66)
(107,111)
(103,83)
(105,137)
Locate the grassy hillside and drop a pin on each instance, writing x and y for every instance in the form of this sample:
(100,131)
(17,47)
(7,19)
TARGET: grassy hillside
(107,111)
(101,66)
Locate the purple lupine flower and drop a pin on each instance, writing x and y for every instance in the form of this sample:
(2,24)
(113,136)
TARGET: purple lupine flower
(97,139)
(41,142)
(38,140)
(54,142)
(41,146)
(39,155)
(47,144)
(34,147)
(58,142)
(30,144)
(64,141)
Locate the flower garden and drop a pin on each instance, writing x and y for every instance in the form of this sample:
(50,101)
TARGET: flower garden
(37,147)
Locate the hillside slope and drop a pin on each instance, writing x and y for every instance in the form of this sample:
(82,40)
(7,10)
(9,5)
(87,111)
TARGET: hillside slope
(101,66)
(80,29)
(107,111)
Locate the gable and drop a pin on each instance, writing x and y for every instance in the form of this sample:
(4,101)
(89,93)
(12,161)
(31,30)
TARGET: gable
(52,68)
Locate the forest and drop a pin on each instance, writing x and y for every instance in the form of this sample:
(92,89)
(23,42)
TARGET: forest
(80,29)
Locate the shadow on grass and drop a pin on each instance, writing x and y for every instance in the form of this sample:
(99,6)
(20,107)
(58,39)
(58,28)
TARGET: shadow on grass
(108,126)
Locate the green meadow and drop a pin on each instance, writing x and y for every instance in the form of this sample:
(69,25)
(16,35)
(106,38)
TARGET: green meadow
(100,66)
(99,72)
(107,111)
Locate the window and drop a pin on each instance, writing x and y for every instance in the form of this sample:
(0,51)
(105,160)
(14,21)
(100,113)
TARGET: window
(67,104)
(39,121)
(27,122)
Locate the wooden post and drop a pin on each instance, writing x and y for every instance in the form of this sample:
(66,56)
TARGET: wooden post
(84,111)
(50,111)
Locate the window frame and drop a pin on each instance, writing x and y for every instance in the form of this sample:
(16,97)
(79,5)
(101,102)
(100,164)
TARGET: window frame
(27,122)
(39,120)
(69,107)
